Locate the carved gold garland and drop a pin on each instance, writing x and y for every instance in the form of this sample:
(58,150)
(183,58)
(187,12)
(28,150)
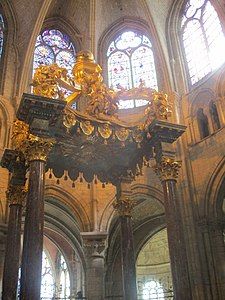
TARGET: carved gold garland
(167,169)
(32,147)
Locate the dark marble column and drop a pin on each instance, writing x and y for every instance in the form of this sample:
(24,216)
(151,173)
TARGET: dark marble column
(124,205)
(34,221)
(12,254)
(16,195)
(167,169)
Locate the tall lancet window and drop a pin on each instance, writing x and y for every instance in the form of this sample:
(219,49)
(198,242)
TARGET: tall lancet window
(130,63)
(203,39)
(47,278)
(53,46)
(2,28)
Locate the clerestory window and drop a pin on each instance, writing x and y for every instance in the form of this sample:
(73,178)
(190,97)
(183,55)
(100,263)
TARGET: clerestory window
(130,62)
(53,46)
(203,39)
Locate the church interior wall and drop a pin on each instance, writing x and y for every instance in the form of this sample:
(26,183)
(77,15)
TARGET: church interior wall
(90,205)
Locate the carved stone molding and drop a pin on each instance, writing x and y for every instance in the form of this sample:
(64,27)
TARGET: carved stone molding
(16,194)
(167,169)
(94,243)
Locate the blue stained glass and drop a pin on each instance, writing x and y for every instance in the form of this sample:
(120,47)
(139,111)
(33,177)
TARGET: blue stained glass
(131,62)
(65,59)
(53,46)
(2,27)
(43,56)
(55,38)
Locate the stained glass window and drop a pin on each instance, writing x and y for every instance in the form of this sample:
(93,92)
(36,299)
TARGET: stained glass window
(47,279)
(203,39)
(152,290)
(53,46)
(130,63)
(2,28)
(64,279)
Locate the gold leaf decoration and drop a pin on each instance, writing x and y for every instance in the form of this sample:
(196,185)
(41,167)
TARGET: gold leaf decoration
(105,130)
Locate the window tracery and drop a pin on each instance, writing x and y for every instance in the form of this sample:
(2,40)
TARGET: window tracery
(63,274)
(47,278)
(55,278)
(53,46)
(203,39)
(150,290)
(130,62)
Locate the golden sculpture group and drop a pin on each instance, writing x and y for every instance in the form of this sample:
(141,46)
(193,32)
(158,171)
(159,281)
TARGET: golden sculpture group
(102,102)
(100,116)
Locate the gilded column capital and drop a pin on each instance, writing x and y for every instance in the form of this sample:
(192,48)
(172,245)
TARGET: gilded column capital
(16,194)
(33,147)
(167,168)
(36,148)
(123,206)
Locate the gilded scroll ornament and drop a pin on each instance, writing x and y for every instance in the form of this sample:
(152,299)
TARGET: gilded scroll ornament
(69,120)
(45,81)
(20,133)
(137,135)
(16,194)
(105,130)
(123,206)
(87,127)
(32,147)
(122,134)
(159,107)
(167,169)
